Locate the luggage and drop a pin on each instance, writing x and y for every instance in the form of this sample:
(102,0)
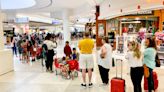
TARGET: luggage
(156,82)
(118,84)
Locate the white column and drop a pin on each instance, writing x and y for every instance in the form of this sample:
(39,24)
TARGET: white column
(6,57)
(66,30)
(1,32)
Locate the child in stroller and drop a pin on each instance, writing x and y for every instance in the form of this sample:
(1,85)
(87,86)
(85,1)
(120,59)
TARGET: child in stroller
(68,68)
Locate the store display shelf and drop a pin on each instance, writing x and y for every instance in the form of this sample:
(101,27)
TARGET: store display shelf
(160,52)
(132,32)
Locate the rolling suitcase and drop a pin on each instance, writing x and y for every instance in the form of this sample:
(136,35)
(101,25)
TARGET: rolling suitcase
(118,84)
(156,82)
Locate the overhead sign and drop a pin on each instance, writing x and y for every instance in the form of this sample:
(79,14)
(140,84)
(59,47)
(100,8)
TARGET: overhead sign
(141,13)
(22,20)
(56,22)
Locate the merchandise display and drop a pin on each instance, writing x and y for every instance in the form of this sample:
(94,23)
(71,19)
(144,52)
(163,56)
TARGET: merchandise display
(160,46)
(112,39)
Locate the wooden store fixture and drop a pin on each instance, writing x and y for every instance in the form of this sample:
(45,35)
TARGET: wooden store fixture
(160,14)
(98,37)
(98,22)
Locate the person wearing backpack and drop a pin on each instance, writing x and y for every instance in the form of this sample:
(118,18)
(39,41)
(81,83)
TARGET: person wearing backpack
(50,52)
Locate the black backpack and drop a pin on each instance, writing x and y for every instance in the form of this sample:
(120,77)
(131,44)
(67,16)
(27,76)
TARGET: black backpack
(44,47)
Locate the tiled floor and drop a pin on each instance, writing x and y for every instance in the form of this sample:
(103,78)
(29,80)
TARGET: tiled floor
(33,78)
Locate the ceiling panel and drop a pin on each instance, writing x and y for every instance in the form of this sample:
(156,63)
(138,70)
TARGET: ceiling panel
(84,8)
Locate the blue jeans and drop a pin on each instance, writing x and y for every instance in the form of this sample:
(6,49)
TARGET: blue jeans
(14,50)
(150,80)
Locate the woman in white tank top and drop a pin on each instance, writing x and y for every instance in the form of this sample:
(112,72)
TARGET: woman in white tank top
(105,60)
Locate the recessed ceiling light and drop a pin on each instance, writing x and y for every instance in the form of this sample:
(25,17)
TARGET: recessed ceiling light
(137,18)
(123,19)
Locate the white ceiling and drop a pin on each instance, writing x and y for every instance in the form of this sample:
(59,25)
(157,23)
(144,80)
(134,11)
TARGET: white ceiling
(17,4)
(86,8)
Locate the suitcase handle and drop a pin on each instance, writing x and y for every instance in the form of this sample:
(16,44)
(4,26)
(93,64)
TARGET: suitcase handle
(117,67)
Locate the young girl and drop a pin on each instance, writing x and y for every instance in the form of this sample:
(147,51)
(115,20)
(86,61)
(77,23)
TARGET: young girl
(136,66)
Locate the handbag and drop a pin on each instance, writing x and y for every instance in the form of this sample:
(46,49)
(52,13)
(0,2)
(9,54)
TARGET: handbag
(146,71)
(157,61)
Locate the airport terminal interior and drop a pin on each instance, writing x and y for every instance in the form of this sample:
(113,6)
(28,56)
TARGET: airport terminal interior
(81,45)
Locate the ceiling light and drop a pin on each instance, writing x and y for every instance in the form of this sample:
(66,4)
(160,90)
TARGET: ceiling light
(93,10)
(148,1)
(123,19)
(137,18)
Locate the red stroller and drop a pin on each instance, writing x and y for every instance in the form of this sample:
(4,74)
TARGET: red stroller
(39,53)
(73,68)
(57,65)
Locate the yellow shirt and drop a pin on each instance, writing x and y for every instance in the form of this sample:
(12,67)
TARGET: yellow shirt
(86,46)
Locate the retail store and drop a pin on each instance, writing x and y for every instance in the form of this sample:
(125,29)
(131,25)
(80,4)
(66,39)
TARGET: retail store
(81,45)
(136,26)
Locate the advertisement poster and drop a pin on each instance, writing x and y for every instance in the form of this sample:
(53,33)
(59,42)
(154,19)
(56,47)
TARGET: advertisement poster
(101,30)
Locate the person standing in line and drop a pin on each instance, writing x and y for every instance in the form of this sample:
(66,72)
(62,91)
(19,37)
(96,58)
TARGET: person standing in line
(14,46)
(134,58)
(25,53)
(86,46)
(20,49)
(75,55)
(67,50)
(149,60)
(50,54)
(105,60)
(44,53)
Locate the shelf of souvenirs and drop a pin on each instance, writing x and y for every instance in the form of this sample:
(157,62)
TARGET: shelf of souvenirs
(160,52)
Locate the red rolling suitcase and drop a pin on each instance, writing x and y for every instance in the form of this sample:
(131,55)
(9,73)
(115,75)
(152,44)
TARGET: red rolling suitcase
(118,84)
(156,82)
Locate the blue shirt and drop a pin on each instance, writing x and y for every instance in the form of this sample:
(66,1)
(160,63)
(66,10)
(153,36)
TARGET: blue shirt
(149,57)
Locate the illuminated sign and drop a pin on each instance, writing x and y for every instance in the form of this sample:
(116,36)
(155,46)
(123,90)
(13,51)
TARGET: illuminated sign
(141,13)
(22,20)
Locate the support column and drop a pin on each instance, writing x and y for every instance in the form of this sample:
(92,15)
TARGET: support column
(6,57)
(1,32)
(66,30)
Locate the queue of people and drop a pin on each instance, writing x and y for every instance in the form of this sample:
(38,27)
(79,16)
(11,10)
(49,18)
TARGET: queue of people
(137,60)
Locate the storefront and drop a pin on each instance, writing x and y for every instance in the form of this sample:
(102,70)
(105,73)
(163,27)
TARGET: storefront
(137,26)
(132,23)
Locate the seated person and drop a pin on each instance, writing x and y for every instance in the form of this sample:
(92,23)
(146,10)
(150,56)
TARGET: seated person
(75,55)
(64,60)
(65,67)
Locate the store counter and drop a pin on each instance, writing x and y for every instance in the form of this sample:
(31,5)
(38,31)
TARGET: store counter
(6,61)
